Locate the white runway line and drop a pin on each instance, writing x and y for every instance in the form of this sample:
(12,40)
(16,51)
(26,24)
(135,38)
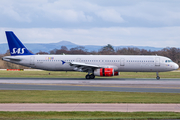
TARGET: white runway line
(91,107)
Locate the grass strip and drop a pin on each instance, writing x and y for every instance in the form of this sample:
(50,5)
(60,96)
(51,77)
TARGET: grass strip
(63,74)
(87,115)
(40,96)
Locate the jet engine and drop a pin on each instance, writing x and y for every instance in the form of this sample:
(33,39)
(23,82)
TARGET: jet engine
(105,72)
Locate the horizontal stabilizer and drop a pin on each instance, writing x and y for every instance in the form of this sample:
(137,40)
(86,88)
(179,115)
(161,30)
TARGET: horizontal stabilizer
(10,58)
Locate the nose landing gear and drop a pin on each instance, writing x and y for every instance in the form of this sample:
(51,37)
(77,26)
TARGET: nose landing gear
(157,74)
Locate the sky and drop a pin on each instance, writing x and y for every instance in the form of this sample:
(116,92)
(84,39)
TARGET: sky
(153,23)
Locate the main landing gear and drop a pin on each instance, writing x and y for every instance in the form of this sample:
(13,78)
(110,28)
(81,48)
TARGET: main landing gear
(92,76)
(157,74)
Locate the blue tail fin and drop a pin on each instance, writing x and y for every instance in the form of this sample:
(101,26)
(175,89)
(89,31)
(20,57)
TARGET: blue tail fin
(15,45)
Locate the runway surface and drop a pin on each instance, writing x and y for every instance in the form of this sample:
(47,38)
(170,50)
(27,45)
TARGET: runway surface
(92,107)
(99,84)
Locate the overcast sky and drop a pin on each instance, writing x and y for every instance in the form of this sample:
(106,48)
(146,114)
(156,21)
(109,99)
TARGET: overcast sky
(93,22)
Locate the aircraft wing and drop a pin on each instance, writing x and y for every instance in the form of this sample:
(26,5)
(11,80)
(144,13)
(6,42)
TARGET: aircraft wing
(83,67)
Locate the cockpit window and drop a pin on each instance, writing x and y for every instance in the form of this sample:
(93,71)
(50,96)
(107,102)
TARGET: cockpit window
(168,61)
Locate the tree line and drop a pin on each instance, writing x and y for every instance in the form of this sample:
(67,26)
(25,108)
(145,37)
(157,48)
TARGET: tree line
(170,52)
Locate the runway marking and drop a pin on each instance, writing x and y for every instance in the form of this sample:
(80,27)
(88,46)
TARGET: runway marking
(117,86)
(122,107)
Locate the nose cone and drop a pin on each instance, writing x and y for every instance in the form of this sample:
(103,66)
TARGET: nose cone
(176,66)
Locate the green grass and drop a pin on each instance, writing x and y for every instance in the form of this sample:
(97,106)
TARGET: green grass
(63,74)
(41,74)
(87,115)
(33,96)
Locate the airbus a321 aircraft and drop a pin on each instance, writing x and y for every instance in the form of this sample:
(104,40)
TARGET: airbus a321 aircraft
(94,65)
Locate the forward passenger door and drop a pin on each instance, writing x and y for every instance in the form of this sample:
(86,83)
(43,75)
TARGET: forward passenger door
(157,61)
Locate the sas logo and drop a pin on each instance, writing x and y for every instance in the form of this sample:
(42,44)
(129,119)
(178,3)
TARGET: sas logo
(18,51)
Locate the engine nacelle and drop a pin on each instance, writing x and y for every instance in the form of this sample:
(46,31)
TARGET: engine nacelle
(104,72)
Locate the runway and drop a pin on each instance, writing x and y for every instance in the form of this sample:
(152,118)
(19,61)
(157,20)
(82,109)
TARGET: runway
(99,84)
(91,107)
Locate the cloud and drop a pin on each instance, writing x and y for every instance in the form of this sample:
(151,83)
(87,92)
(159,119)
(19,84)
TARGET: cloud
(156,12)
(64,11)
(9,9)
(26,11)
(89,13)
(99,22)
(110,15)
(157,37)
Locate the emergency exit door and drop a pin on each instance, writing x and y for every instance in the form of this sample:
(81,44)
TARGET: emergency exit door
(122,62)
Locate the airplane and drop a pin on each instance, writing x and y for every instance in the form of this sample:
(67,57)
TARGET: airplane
(94,65)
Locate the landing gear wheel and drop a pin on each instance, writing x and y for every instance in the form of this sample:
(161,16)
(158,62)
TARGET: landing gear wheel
(92,76)
(87,76)
(157,77)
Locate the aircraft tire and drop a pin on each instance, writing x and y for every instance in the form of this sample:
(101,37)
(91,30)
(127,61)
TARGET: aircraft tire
(158,78)
(87,76)
(92,76)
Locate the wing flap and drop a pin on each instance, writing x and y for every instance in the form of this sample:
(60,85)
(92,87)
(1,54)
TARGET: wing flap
(83,67)
(83,64)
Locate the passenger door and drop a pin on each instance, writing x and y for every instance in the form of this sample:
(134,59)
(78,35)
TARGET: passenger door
(32,60)
(157,61)
(122,62)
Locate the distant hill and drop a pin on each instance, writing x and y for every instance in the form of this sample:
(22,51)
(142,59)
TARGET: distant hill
(36,47)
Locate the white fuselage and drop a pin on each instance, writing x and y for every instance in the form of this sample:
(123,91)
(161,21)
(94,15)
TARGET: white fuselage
(120,63)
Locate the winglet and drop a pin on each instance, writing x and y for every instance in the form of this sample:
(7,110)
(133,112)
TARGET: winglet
(15,45)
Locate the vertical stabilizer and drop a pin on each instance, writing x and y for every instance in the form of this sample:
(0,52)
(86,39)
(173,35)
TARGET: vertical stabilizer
(15,45)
